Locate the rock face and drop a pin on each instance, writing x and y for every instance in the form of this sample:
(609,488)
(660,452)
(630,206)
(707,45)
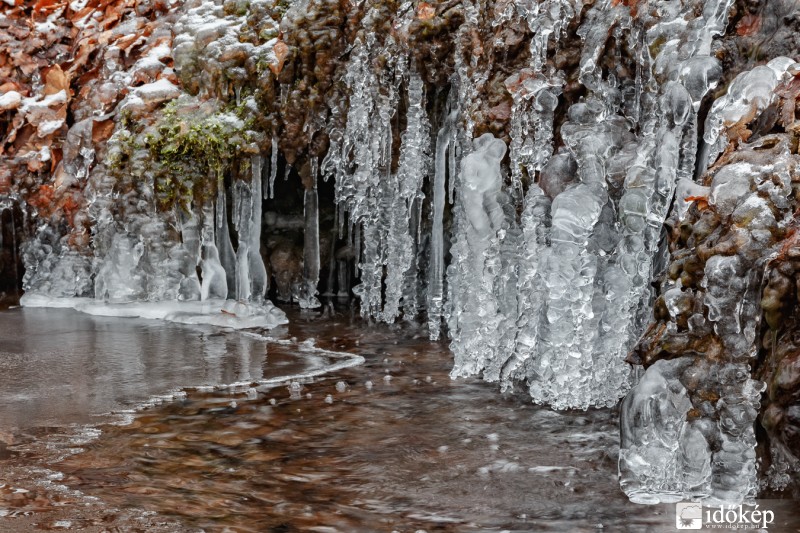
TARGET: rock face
(725,313)
(544,180)
(11,267)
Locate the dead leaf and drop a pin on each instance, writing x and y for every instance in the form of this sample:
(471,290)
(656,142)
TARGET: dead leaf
(56,81)
(749,25)
(56,154)
(10,86)
(425,11)
(630,4)
(281,50)
(700,201)
(102,130)
(48,5)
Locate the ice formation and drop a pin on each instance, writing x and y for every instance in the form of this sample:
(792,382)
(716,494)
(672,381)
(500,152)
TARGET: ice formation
(552,184)
(568,284)
(688,426)
(179,263)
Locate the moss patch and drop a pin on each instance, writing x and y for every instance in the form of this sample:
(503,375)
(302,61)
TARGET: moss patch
(184,153)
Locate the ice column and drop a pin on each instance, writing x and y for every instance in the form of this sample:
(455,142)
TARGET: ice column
(474,323)
(307,297)
(215,282)
(446,144)
(251,274)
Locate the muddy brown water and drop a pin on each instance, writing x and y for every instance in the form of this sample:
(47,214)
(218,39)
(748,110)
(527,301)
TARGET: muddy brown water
(390,445)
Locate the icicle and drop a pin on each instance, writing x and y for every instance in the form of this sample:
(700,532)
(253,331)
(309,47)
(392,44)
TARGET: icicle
(14,250)
(332,261)
(189,257)
(214,282)
(307,298)
(411,283)
(242,201)
(251,274)
(227,257)
(238,204)
(377,202)
(444,149)
(475,319)
(259,282)
(273,167)
(2,210)
(343,271)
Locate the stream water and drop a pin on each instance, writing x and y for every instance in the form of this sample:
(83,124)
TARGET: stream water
(389,445)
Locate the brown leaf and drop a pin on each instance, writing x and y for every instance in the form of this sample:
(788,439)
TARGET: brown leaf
(56,154)
(425,11)
(749,25)
(86,46)
(55,81)
(10,86)
(701,201)
(5,180)
(102,130)
(48,5)
(281,50)
(501,111)
(630,4)
(126,41)
(790,92)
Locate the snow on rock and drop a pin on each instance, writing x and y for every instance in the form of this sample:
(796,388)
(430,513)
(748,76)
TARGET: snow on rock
(10,100)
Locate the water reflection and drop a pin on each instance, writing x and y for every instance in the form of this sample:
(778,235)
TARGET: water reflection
(58,366)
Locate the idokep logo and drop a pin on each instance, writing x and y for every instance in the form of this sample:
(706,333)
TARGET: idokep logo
(689,515)
(692,515)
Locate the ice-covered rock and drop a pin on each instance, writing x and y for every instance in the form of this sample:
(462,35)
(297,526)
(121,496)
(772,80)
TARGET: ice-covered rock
(725,298)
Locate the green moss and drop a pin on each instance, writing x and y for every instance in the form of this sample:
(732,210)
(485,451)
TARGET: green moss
(656,45)
(236,7)
(187,149)
(281,7)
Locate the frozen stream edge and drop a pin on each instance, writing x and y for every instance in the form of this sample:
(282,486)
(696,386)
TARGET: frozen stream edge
(215,312)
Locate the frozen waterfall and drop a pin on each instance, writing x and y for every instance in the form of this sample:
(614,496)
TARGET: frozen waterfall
(583,198)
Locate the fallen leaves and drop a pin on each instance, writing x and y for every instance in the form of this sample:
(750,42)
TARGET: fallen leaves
(60,63)
(102,130)
(47,6)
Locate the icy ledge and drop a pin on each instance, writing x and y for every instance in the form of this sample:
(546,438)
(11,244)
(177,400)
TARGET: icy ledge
(216,312)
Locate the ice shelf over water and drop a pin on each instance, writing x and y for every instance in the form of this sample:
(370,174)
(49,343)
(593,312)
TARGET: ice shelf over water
(215,312)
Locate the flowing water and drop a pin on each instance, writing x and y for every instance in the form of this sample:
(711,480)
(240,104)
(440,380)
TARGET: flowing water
(390,445)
